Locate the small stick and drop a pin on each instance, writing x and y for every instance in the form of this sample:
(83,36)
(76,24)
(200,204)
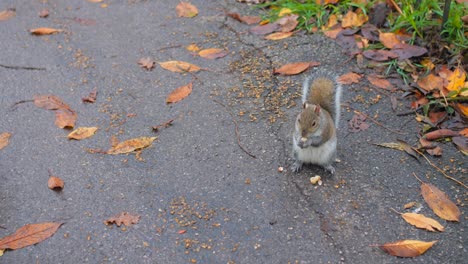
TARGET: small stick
(170,47)
(395,211)
(22,67)
(439,169)
(237,128)
(396,7)
(375,121)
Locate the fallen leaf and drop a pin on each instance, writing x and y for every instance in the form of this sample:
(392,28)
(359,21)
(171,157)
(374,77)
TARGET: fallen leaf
(114,141)
(440,133)
(279,35)
(464,132)
(55,183)
(264,29)
(123,218)
(7,14)
(407,248)
(349,78)
(456,80)
(44,31)
(182,231)
(91,98)
(65,118)
(380,82)
(146,63)
(4,139)
(29,235)
(131,145)
(421,221)
(332,21)
(333,31)
(406,51)
(44,13)
(295,68)
(437,151)
(357,123)
(379,55)
(212,53)
(192,47)
(400,145)
(409,205)
(163,125)
(288,23)
(352,19)
(185,9)
(389,40)
(245,19)
(461,143)
(439,202)
(431,82)
(64,115)
(370,32)
(179,66)
(82,133)
(179,94)
(428,64)
(95,1)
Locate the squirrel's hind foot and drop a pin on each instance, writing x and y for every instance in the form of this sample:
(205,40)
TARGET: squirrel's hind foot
(330,168)
(297,166)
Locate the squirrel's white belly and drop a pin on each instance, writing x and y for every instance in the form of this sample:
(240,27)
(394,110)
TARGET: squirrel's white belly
(322,155)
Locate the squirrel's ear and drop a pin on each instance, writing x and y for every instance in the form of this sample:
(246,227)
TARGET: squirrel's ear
(317,109)
(304,105)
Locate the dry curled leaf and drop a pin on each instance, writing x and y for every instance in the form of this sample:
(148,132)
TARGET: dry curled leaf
(44,31)
(431,82)
(421,221)
(379,55)
(440,133)
(352,19)
(185,9)
(64,115)
(123,218)
(349,78)
(380,82)
(166,124)
(91,98)
(407,248)
(7,14)
(389,40)
(179,66)
(439,202)
(295,68)
(264,29)
(279,35)
(358,123)
(462,144)
(131,145)
(146,63)
(179,94)
(29,235)
(82,133)
(249,20)
(409,205)
(55,183)
(212,53)
(4,139)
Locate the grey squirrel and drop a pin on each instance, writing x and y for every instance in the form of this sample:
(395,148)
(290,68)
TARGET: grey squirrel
(314,139)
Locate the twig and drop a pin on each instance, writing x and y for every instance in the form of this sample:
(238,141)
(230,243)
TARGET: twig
(440,170)
(375,121)
(396,7)
(170,47)
(395,211)
(22,67)
(237,128)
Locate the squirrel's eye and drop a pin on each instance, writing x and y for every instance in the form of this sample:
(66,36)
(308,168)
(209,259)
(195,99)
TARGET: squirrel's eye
(314,123)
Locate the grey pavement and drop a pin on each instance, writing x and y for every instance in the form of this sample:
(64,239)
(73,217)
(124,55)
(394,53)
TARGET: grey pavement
(195,177)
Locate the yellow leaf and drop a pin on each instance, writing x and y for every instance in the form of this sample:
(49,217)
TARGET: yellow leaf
(284,11)
(421,221)
(389,40)
(131,145)
(179,66)
(44,31)
(427,63)
(407,248)
(352,19)
(179,94)
(82,133)
(279,35)
(439,202)
(456,80)
(192,47)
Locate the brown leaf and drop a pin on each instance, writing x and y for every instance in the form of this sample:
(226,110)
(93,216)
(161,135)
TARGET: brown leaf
(380,82)
(439,202)
(333,31)
(179,66)
(166,124)
(65,118)
(64,115)
(185,9)
(212,53)
(279,35)
(4,139)
(264,29)
(131,145)
(179,94)
(146,63)
(379,55)
(7,14)
(288,23)
(400,145)
(44,31)
(123,218)
(461,143)
(352,19)
(437,151)
(406,51)
(357,123)
(44,13)
(431,82)
(249,20)
(29,235)
(295,68)
(82,133)
(55,183)
(409,205)
(349,78)
(407,248)
(440,133)
(91,98)
(389,40)
(421,221)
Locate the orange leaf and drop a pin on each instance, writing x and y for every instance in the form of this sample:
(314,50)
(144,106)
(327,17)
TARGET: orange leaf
(4,139)
(212,53)
(332,20)
(7,14)
(430,82)
(192,47)
(421,221)
(82,133)
(279,35)
(463,132)
(456,80)
(185,9)
(407,248)
(44,31)
(440,133)
(131,145)
(333,32)
(123,218)
(65,118)
(55,183)
(29,235)
(349,78)
(245,19)
(179,66)
(352,19)
(179,94)
(439,202)
(380,82)
(389,40)
(64,115)
(295,68)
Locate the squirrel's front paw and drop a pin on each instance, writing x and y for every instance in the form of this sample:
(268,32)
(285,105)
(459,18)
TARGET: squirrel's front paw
(297,166)
(330,168)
